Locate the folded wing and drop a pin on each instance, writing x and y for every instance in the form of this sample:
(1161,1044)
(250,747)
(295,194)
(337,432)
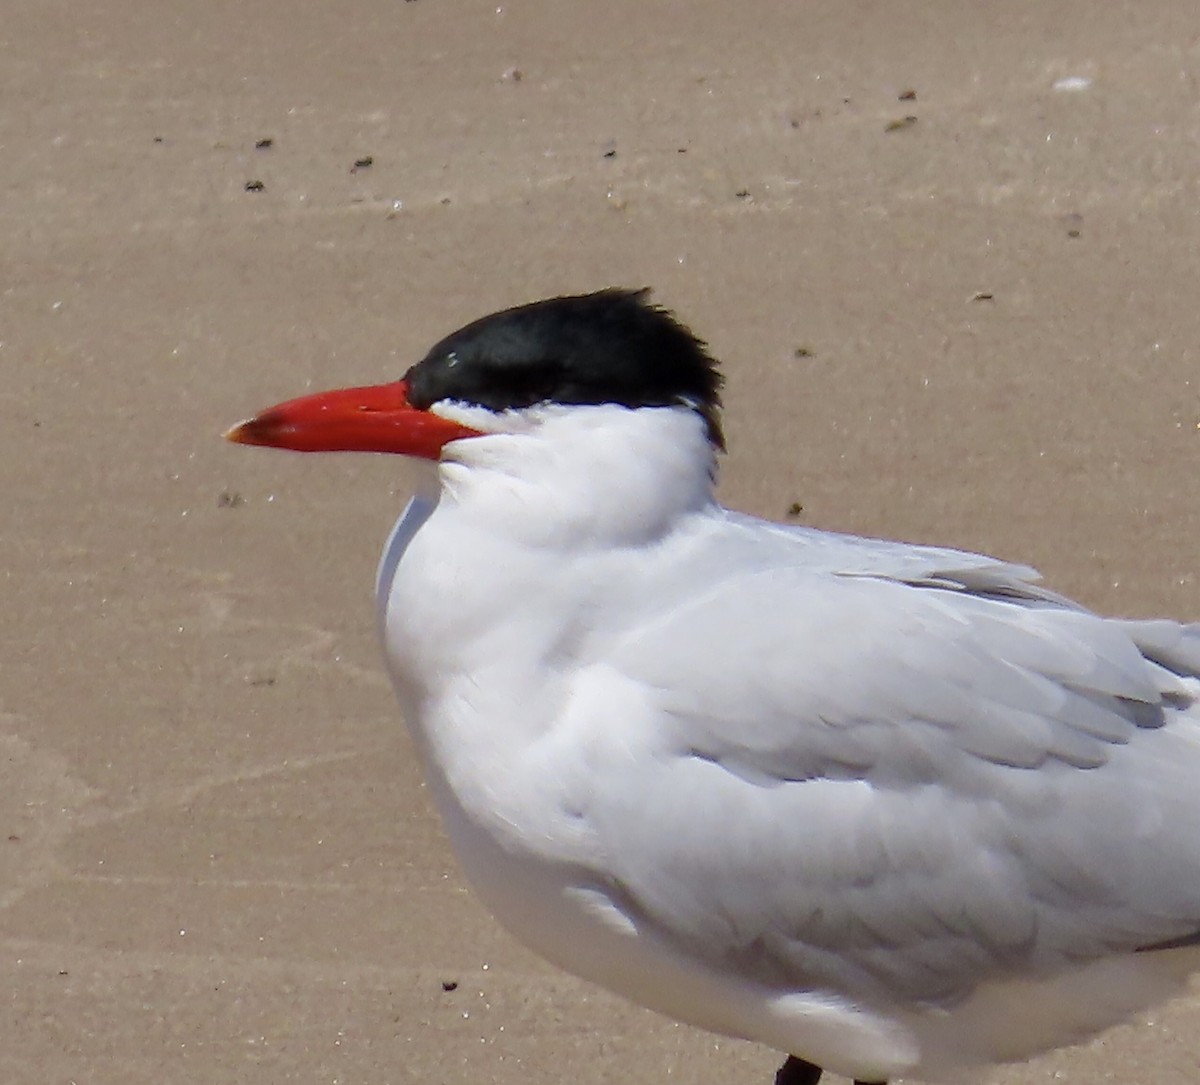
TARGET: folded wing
(904,776)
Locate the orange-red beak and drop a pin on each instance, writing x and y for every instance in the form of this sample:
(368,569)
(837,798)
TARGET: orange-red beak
(377,418)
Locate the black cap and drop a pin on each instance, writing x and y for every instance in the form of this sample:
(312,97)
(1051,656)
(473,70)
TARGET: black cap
(613,346)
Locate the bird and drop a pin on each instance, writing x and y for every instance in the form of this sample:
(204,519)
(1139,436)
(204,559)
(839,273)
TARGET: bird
(893,810)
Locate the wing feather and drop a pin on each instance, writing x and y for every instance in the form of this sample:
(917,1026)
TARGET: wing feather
(908,778)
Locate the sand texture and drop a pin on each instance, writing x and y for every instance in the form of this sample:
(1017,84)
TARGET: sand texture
(946,251)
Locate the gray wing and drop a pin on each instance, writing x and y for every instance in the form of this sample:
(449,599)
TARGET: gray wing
(906,786)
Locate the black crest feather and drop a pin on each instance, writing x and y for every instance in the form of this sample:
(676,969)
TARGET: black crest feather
(613,346)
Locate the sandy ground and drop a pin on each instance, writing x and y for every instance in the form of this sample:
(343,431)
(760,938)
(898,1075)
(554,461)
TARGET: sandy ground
(978,327)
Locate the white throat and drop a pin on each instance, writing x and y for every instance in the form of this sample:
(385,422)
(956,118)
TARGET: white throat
(579,476)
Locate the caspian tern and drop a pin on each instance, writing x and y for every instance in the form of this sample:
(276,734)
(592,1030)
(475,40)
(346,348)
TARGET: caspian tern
(893,810)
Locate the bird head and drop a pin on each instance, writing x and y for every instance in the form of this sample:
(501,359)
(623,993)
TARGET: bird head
(609,347)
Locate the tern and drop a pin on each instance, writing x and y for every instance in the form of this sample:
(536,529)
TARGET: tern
(892,810)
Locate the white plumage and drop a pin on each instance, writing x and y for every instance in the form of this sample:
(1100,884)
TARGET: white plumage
(895,809)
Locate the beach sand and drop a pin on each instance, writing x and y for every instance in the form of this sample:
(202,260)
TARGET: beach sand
(947,253)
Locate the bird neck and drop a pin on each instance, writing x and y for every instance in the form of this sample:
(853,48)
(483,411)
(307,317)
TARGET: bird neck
(584,476)
(494,596)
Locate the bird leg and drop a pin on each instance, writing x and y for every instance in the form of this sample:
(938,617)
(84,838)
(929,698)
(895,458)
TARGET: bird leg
(797,1072)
